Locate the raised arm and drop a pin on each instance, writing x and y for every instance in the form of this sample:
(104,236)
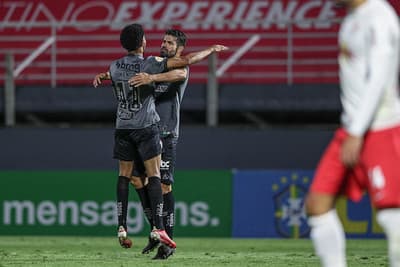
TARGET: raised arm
(143,78)
(101,77)
(194,57)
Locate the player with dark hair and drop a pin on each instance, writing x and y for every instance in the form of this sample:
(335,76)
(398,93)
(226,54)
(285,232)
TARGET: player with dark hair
(365,151)
(137,136)
(168,100)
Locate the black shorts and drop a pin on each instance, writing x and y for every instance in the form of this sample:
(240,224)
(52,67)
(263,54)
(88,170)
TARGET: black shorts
(137,145)
(168,159)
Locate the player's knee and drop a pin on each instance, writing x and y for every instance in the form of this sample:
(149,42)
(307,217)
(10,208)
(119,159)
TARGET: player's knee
(153,172)
(125,168)
(136,182)
(152,166)
(125,173)
(311,204)
(166,188)
(317,204)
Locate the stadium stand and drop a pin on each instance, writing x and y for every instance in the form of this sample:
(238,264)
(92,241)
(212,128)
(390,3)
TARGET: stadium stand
(291,70)
(306,58)
(297,39)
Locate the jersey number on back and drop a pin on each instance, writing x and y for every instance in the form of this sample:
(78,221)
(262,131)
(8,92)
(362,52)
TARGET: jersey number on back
(128,96)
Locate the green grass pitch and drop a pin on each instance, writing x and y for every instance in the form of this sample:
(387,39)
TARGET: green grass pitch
(211,252)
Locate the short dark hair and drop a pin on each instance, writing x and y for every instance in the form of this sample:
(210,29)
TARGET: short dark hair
(131,37)
(180,36)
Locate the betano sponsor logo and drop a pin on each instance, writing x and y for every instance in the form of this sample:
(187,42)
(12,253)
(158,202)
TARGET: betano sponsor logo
(191,15)
(92,213)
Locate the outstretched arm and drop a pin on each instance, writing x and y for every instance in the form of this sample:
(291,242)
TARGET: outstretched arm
(101,77)
(194,57)
(170,76)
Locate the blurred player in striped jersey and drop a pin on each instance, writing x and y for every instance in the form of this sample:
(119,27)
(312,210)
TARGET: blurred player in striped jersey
(365,151)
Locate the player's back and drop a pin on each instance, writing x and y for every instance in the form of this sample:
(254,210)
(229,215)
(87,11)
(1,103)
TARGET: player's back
(136,108)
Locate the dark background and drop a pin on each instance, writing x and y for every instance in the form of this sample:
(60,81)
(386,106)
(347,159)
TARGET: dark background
(260,127)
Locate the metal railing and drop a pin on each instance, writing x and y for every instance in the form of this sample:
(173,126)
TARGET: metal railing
(253,57)
(276,58)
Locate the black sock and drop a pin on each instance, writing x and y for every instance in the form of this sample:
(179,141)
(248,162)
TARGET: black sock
(145,201)
(156,201)
(122,200)
(169,214)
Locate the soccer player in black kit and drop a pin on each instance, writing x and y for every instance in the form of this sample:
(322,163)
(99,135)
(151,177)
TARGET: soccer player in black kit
(168,101)
(137,138)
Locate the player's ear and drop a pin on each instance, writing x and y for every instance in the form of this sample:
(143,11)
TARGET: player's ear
(144,42)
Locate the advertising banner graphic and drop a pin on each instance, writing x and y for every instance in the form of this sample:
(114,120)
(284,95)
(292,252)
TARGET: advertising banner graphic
(208,203)
(208,196)
(271,204)
(190,15)
(83,203)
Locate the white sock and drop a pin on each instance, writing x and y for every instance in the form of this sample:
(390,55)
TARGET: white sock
(328,238)
(389,219)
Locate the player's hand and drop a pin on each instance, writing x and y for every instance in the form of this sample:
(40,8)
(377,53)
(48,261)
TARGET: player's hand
(140,79)
(97,80)
(100,77)
(219,48)
(351,149)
